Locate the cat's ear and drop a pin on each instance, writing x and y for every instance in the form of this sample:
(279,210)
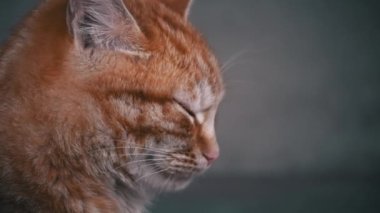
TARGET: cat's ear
(104,24)
(179,6)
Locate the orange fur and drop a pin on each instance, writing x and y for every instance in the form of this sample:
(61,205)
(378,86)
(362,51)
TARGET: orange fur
(71,117)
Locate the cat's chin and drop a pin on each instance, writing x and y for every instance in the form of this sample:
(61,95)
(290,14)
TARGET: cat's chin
(164,184)
(179,185)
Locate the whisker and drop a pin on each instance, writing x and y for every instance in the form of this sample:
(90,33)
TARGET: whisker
(151,174)
(152,149)
(140,161)
(143,147)
(146,160)
(230,62)
(151,164)
(153,155)
(127,147)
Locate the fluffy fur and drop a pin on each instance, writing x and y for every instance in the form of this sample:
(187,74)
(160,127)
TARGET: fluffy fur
(103,104)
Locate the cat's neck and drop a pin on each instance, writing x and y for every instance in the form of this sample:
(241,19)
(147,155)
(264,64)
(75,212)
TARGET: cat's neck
(133,197)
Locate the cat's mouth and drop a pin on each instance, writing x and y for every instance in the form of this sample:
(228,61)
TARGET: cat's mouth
(181,167)
(174,168)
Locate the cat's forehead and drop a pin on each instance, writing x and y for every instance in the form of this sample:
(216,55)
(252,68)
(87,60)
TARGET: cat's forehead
(202,86)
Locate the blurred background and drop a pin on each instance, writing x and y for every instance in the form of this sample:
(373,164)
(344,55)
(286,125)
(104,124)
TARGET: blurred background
(299,128)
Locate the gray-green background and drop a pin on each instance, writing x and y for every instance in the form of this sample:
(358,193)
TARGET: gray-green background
(300,125)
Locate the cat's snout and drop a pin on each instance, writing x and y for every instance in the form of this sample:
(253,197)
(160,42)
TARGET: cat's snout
(211,156)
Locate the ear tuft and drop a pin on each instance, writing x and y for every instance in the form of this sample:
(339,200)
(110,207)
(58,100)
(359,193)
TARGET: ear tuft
(181,7)
(104,24)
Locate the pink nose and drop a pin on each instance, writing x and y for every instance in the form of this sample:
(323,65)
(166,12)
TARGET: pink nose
(211,157)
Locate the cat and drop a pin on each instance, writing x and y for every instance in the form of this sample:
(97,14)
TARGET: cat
(103,105)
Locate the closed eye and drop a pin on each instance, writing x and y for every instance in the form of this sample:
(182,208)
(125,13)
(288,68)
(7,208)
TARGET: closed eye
(185,108)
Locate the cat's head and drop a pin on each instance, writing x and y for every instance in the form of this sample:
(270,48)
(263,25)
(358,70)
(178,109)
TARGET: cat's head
(156,83)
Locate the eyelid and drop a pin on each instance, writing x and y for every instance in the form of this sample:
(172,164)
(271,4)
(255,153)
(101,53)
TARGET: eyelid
(184,107)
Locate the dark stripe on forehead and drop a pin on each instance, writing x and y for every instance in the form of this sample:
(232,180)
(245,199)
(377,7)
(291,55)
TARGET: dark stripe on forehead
(137,95)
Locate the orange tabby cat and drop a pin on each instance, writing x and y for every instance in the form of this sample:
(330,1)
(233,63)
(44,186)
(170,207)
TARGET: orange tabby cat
(103,104)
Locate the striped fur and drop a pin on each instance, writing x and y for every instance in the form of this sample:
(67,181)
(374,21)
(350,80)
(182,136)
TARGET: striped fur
(105,127)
